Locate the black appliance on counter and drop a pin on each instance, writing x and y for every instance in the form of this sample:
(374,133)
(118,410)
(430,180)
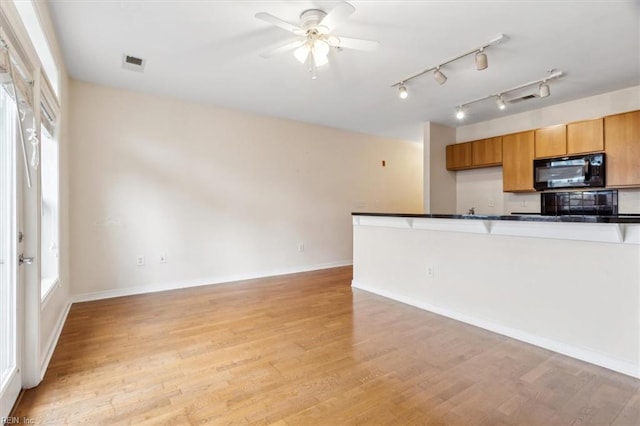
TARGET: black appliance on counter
(601,203)
(575,171)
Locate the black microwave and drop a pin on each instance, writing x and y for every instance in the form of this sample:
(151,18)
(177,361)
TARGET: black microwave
(573,171)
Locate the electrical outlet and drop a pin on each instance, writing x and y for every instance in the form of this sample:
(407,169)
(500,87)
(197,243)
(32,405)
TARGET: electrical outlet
(492,202)
(523,203)
(140,260)
(163,258)
(430,271)
(301,247)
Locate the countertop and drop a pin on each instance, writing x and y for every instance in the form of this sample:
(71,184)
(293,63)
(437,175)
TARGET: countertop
(622,218)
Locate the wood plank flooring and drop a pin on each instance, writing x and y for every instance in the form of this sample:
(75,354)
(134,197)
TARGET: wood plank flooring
(306,349)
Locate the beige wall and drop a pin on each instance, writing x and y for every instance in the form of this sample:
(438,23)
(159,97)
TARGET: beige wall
(222,194)
(439,183)
(479,187)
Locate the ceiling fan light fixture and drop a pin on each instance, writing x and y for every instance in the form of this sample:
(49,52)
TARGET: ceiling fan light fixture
(403,91)
(302,53)
(439,76)
(481,60)
(316,40)
(319,60)
(320,51)
(544,90)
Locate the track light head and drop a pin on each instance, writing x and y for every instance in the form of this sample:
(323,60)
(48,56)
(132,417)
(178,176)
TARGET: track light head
(403,91)
(544,90)
(481,60)
(439,76)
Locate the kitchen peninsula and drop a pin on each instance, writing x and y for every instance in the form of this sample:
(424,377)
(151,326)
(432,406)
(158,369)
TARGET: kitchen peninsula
(570,284)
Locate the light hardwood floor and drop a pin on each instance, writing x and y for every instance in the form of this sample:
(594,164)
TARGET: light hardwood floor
(307,349)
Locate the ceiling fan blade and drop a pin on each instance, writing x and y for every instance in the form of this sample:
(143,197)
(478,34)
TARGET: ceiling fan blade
(353,43)
(284,48)
(338,15)
(280,23)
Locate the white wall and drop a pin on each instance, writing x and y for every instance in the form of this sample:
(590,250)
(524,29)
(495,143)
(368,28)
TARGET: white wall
(526,280)
(476,187)
(222,194)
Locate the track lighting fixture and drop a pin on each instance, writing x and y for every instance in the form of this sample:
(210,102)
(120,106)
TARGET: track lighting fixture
(403,92)
(543,91)
(481,60)
(438,75)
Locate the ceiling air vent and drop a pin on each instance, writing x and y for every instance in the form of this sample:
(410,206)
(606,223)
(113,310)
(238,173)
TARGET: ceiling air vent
(133,63)
(521,98)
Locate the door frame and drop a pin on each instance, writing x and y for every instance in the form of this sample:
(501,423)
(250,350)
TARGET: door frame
(16,275)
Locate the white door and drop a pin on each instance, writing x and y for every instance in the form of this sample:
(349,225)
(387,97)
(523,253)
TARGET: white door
(11,289)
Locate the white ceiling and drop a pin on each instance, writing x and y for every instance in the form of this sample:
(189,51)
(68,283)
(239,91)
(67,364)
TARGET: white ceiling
(208,52)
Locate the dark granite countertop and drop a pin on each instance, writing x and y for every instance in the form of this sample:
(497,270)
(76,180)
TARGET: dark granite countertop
(622,218)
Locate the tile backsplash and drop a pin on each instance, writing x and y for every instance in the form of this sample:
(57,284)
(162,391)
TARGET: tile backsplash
(602,202)
(482,189)
(629,200)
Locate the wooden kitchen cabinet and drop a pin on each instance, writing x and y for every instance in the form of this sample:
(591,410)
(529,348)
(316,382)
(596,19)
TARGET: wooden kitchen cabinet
(486,152)
(475,154)
(585,136)
(573,138)
(622,147)
(459,156)
(551,141)
(518,150)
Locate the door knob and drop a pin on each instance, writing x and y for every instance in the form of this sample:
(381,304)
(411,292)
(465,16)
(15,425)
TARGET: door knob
(25,260)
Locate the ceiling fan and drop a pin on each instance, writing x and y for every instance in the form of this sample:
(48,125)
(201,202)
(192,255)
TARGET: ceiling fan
(315,39)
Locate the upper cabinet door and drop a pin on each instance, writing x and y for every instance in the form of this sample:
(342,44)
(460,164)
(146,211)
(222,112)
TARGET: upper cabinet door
(585,136)
(517,162)
(487,152)
(459,156)
(622,143)
(551,141)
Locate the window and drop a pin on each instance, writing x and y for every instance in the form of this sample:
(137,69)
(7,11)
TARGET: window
(49,222)
(47,158)
(30,19)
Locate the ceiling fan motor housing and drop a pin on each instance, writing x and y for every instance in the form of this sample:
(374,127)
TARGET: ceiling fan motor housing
(311,18)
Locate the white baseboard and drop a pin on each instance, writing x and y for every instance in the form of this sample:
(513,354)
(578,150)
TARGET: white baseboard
(152,288)
(53,340)
(601,360)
